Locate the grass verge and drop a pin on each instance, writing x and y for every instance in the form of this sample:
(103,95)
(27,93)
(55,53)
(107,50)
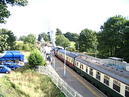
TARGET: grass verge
(28,83)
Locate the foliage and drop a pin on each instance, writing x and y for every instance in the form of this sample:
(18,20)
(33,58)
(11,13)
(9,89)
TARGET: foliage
(87,41)
(112,40)
(36,58)
(29,43)
(7,40)
(20,45)
(22,38)
(30,39)
(71,36)
(28,84)
(43,36)
(58,31)
(4,12)
(61,40)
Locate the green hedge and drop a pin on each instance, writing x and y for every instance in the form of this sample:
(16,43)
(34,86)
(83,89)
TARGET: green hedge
(36,58)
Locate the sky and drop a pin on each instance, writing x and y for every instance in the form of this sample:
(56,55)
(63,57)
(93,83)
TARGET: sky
(68,15)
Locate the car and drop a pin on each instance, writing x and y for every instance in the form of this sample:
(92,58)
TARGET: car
(12,65)
(4,69)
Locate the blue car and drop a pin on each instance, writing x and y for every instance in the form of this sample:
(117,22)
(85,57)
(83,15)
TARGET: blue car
(12,65)
(4,69)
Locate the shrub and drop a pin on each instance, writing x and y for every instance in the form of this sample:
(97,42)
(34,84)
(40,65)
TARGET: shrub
(36,58)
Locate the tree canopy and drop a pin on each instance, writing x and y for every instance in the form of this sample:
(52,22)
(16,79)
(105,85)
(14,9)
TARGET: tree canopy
(72,36)
(61,40)
(58,31)
(111,36)
(87,41)
(114,38)
(4,12)
(43,36)
(7,40)
(30,39)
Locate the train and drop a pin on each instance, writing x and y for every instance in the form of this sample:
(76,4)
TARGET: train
(112,81)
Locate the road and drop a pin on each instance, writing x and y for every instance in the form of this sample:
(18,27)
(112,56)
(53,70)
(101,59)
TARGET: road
(76,81)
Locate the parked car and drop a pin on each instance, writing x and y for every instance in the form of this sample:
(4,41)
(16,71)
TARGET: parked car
(4,69)
(12,65)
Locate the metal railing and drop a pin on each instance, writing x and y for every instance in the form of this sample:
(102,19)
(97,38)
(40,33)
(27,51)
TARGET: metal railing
(58,81)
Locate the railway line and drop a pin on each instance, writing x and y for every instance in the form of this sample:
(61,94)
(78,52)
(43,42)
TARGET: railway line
(75,80)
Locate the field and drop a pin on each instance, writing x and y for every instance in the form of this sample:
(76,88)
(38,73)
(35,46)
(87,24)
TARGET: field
(26,82)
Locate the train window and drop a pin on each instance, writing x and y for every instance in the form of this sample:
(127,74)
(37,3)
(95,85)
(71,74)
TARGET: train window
(126,91)
(76,63)
(116,85)
(86,69)
(98,75)
(106,79)
(81,66)
(91,71)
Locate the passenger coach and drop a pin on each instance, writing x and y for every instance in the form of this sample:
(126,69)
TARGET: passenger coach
(114,82)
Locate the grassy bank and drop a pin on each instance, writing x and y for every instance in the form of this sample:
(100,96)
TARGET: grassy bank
(28,83)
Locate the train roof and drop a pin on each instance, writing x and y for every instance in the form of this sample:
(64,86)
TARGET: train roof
(121,75)
(68,53)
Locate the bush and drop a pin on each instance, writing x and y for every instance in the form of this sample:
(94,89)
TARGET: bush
(36,58)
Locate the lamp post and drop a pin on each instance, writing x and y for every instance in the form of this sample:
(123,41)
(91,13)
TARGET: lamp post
(65,62)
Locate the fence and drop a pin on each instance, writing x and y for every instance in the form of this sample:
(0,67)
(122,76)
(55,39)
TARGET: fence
(60,83)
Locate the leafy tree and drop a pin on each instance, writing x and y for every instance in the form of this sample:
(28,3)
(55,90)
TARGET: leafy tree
(58,31)
(43,36)
(111,36)
(61,40)
(124,47)
(22,38)
(30,39)
(36,58)
(71,36)
(87,41)
(4,12)
(7,40)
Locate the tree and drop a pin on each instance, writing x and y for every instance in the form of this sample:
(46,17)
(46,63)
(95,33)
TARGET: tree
(43,36)
(111,36)
(58,31)
(71,36)
(4,12)
(36,58)
(87,41)
(124,47)
(61,40)
(7,40)
(22,38)
(30,39)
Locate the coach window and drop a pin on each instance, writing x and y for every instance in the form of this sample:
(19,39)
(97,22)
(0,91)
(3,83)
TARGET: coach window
(98,75)
(106,80)
(76,63)
(127,91)
(91,71)
(116,85)
(86,69)
(81,66)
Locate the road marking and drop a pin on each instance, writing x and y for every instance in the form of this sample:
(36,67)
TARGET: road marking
(78,77)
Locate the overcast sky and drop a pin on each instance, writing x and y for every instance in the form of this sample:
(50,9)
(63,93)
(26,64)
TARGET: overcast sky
(68,15)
